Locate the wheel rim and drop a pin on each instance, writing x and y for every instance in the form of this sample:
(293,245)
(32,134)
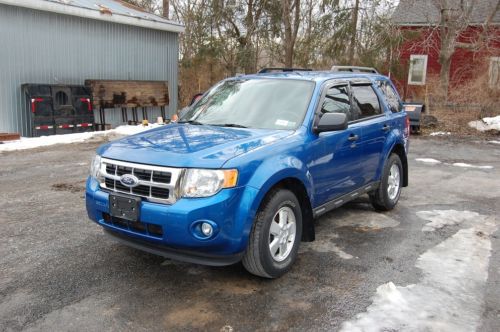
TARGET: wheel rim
(393,182)
(282,234)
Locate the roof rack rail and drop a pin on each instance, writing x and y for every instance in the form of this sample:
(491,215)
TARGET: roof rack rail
(281,69)
(355,69)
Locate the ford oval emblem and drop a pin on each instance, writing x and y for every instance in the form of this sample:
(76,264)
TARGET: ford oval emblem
(129,180)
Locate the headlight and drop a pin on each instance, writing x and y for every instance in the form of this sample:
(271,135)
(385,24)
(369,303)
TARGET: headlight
(95,166)
(207,182)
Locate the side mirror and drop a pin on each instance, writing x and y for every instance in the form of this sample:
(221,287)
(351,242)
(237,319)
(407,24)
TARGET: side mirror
(331,122)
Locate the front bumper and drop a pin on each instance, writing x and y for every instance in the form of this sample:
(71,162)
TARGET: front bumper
(230,210)
(174,253)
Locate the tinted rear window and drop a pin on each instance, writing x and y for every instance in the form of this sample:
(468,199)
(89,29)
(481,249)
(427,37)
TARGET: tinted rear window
(364,102)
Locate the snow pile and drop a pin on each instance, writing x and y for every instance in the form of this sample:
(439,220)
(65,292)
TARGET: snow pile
(463,165)
(428,160)
(36,142)
(494,142)
(450,295)
(440,133)
(492,123)
(472,166)
(440,218)
(132,130)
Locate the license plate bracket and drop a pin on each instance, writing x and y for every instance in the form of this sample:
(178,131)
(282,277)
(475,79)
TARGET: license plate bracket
(125,207)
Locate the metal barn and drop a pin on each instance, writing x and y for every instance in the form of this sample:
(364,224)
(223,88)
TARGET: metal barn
(70,41)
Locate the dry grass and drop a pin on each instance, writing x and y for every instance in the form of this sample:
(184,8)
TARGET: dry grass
(456,122)
(198,77)
(468,102)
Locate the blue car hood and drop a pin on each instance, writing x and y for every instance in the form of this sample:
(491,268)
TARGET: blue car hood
(185,145)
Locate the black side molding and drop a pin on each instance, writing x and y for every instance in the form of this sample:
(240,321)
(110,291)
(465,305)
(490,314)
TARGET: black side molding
(336,202)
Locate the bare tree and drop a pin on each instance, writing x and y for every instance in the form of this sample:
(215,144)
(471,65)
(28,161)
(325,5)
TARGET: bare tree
(454,19)
(151,6)
(291,22)
(239,22)
(354,29)
(166,8)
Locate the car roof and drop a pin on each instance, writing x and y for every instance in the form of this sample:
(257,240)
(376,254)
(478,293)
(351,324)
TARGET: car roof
(315,76)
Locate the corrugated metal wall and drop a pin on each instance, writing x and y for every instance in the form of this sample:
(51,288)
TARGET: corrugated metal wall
(42,47)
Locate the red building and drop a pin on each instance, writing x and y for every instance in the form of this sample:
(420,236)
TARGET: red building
(478,43)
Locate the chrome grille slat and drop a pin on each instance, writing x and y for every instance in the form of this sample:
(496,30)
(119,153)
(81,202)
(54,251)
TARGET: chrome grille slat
(157,190)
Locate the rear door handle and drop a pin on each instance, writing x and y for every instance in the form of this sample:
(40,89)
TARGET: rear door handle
(353,137)
(386,128)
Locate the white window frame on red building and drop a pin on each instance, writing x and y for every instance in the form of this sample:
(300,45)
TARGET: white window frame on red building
(413,59)
(494,73)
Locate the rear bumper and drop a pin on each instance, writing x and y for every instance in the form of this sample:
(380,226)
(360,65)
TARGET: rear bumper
(167,230)
(173,253)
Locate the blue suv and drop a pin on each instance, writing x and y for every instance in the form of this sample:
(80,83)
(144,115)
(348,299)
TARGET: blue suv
(246,170)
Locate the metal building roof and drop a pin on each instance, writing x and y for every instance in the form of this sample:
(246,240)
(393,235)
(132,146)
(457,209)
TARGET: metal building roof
(106,10)
(425,12)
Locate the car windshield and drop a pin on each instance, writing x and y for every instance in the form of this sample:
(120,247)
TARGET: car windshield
(256,103)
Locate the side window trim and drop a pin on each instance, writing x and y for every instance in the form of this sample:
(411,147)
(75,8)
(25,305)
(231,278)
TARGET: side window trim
(326,87)
(349,85)
(367,118)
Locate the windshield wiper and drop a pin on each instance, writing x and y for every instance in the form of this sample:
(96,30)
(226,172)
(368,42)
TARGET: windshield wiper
(193,122)
(234,125)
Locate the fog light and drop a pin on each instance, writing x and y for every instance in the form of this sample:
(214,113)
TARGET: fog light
(207,229)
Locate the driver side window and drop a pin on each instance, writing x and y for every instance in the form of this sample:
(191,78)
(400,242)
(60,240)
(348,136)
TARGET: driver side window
(337,101)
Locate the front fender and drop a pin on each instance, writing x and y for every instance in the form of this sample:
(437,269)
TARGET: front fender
(276,169)
(264,178)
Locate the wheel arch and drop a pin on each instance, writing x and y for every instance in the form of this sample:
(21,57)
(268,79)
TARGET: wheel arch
(298,188)
(399,150)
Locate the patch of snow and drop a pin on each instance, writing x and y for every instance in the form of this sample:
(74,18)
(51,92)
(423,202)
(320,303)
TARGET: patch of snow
(428,160)
(132,130)
(440,133)
(471,166)
(440,218)
(36,142)
(490,123)
(448,298)
(435,162)
(493,121)
(494,142)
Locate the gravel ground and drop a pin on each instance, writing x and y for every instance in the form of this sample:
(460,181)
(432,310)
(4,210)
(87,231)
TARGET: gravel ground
(432,264)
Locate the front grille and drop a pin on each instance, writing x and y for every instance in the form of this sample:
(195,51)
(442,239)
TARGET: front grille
(134,226)
(156,183)
(142,190)
(162,177)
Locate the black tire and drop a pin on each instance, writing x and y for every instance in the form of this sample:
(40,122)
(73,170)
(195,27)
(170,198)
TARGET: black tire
(380,197)
(258,259)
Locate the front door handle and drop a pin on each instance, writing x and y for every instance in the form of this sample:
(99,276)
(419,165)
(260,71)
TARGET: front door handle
(353,137)
(386,128)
